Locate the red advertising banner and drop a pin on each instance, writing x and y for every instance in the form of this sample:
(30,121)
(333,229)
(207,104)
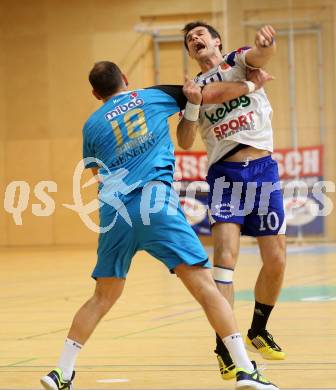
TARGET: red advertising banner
(293,163)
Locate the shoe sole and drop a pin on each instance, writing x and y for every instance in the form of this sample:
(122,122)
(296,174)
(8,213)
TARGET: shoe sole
(251,348)
(48,383)
(248,385)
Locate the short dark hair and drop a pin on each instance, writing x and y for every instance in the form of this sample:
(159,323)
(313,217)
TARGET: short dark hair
(190,26)
(106,78)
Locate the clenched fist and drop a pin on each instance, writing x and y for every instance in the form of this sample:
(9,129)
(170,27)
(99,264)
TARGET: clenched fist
(192,91)
(265,36)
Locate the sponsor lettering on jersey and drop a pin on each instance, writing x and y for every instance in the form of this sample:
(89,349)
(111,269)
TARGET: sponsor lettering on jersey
(226,108)
(134,102)
(233,126)
(133,148)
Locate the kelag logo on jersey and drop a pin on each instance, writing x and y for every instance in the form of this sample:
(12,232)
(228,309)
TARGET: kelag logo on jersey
(226,108)
(135,101)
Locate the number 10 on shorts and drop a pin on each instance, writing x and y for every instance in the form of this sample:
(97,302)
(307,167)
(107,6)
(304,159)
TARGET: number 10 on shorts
(270,221)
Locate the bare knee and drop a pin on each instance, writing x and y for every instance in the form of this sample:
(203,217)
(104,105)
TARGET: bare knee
(105,297)
(225,257)
(275,263)
(103,303)
(226,238)
(206,294)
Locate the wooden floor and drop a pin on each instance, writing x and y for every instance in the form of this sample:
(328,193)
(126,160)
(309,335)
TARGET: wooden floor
(157,337)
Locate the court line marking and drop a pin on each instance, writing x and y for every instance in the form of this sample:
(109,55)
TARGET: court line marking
(113,380)
(168,370)
(271,366)
(20,362)
(183,388)
(110,319)
(155,327)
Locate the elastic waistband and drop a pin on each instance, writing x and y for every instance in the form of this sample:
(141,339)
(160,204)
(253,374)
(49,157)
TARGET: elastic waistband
(244,164)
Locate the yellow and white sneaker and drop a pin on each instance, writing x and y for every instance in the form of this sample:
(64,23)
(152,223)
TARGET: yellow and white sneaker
(264,344)
(253,380)
(54,381)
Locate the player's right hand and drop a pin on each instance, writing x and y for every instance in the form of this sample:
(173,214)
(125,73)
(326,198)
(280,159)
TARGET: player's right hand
(192,91)
(258,76)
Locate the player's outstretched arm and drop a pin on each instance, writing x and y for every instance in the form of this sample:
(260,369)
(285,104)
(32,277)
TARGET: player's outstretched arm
(222,91)
(264,49)
(219,92)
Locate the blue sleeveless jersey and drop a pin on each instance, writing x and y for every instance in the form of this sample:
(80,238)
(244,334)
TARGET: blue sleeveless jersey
(130,131)
(128,138)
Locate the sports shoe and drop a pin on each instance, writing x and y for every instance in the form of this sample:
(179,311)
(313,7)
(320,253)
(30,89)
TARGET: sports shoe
(253,380)
(54,381)
(226,366)
(265,345)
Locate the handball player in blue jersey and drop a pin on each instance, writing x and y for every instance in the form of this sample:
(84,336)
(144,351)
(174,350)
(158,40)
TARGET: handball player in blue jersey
(128,141)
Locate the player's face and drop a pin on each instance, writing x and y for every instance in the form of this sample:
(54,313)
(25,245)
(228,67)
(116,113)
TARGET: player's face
(200,43)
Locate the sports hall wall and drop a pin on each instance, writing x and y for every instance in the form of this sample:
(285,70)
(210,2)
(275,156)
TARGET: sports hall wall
(48,46)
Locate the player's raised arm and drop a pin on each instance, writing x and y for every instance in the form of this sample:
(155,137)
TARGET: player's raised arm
(264,48)
(187,127)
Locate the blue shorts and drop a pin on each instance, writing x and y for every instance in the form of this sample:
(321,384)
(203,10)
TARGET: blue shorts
(156,224)
(248,194)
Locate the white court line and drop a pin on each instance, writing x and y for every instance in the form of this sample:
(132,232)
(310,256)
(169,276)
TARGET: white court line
(113,380)
(220,388)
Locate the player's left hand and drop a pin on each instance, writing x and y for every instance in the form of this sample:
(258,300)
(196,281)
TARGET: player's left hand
(265,37)
(192,91)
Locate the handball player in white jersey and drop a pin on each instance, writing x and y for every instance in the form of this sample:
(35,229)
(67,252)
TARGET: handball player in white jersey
(245,196)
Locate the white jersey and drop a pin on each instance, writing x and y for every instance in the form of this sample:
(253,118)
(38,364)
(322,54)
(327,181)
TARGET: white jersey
(245,120)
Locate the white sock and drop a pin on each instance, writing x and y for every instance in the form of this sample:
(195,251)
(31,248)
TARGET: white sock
(68,358)
(234,343)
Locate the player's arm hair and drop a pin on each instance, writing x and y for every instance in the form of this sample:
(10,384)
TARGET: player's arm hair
(186,133)
(259,57)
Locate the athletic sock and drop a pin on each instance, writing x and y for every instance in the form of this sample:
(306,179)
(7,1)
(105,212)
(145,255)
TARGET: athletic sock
(234,343)
(68,358)
(260,318)
(220,347)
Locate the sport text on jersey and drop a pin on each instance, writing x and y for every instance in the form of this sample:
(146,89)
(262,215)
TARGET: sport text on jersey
(134,102)
(233,126)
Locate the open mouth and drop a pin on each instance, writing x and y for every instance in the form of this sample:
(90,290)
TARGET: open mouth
(199,46)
